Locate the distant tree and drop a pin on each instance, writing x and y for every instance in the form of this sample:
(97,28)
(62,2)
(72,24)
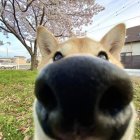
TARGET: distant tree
(21,18)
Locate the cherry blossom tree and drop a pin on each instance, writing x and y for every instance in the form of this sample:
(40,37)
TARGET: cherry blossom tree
(61,17)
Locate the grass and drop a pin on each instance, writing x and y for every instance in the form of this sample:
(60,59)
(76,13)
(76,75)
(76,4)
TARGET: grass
(136,85)
(16,99)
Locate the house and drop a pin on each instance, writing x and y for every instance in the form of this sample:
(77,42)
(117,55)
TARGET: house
(20,60)
(6,60)
(130,55)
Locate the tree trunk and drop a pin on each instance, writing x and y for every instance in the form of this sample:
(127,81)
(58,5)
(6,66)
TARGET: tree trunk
(34,61)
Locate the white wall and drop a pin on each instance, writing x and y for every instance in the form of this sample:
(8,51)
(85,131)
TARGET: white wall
(132,47)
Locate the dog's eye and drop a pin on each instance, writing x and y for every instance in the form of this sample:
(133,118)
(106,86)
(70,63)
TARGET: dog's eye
(57,56)
(103,55)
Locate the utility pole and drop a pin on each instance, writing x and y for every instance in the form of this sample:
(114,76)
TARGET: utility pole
(1,44)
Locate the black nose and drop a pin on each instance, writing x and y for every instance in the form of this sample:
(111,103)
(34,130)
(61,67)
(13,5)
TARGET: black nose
(80,88)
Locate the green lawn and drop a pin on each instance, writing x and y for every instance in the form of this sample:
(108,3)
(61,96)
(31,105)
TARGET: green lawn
(16,99)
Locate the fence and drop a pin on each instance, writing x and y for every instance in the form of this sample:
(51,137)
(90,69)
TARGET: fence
(15,67)
(131,62)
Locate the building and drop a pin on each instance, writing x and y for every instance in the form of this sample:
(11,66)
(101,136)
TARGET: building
(130,55)
(19,60)
(6,60)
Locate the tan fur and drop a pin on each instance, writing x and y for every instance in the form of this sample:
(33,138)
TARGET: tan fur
(111,43)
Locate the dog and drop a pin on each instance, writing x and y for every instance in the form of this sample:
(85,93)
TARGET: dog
(82,91)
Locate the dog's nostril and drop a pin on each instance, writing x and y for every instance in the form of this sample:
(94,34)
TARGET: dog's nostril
(45,95)
(113,101)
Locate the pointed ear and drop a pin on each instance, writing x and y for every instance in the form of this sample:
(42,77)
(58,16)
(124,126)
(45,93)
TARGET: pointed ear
(114,40)
(46,41)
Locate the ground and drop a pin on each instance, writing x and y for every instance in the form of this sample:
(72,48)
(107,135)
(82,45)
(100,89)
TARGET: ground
(16,99)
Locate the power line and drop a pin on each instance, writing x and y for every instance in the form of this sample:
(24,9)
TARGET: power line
(128,5)
(112,25)
(117,12)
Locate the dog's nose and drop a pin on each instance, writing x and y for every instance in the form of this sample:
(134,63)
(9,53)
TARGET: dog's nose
(81,89)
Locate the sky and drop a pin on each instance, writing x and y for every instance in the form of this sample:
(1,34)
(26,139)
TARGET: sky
(116,11)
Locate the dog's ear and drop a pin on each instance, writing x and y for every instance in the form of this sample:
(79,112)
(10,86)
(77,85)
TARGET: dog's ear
(114,40)
(46,41)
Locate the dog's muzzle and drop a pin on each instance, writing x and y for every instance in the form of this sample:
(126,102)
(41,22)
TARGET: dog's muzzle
(83,96)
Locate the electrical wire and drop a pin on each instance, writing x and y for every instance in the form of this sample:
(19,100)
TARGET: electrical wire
(112,24)
(117,12)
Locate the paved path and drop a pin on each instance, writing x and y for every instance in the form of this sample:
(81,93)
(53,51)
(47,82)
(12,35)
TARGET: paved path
(134,72)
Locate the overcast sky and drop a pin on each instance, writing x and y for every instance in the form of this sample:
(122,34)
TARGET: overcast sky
(116,11)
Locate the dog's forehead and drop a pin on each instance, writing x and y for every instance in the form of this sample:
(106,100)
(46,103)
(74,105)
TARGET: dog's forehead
(80,45)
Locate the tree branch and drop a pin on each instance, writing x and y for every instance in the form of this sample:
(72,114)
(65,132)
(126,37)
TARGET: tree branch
(5,29)
(35,16)
(11,29)
(16,20)
(30,24)
(27,6)
(42,17)
(7,25)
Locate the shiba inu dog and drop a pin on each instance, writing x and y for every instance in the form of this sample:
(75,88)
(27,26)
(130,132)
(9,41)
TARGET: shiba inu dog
(82,91)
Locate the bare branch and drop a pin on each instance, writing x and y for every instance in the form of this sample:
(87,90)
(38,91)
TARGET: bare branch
(30,25)
(5,29)
(35,16)
(43,14)
(16,20)
(11,30)
(7,25)
(27,6)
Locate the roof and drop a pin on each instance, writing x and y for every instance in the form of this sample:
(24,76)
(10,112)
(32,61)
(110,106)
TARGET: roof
(5,58)
(19,56)
(133,34)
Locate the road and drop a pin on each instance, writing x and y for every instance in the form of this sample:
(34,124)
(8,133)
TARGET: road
(134,72)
